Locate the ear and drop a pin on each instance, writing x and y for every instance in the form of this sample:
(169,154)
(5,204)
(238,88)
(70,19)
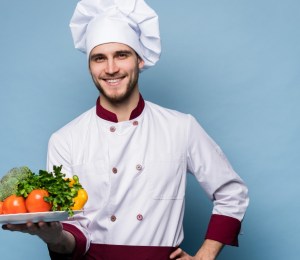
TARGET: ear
(141,63)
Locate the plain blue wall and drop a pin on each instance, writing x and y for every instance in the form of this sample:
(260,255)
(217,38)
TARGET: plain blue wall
(233,64)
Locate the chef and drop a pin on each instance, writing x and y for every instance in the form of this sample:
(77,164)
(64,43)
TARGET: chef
(132,156)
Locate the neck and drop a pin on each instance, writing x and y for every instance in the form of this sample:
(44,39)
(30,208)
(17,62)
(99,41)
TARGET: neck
(123,109)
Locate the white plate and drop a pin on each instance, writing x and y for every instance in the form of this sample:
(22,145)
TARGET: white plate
(35,217)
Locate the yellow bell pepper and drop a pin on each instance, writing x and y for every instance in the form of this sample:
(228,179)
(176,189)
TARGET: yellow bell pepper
(71,181)
(80,200)
(82,196)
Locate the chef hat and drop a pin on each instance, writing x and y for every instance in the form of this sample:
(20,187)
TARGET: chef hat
(131,22)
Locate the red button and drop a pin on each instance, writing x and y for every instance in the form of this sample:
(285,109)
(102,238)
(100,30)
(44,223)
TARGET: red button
(139,217)
(112,129)
(114,170)
(113,218)
(135,122)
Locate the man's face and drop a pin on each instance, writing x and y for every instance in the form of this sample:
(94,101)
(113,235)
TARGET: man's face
(115,70)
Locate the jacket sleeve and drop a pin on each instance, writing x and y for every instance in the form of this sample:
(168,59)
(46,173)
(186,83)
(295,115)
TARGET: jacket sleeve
(224,187)
(59,154)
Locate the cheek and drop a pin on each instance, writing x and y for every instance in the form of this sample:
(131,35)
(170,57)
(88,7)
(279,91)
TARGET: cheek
(95,69)
(92,70)
(95,73)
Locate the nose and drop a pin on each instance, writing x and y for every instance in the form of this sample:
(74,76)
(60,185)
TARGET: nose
(111,66)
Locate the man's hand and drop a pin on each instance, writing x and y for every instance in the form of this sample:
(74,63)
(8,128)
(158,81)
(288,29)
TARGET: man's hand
(51,233)
(208,251)
(180,254)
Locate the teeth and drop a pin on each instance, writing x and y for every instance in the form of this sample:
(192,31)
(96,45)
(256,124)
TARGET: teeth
(113,80)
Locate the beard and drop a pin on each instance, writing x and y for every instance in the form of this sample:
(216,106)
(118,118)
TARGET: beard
(119,98)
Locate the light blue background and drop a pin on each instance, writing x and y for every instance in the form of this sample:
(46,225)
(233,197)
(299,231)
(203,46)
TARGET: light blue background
(233,64)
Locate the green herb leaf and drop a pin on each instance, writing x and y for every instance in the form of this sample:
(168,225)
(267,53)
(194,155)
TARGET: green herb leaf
(60,193)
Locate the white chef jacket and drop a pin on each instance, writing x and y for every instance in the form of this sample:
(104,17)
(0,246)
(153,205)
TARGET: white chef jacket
(135,174)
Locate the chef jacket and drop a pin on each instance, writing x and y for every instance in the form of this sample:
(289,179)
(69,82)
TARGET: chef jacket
(135,174)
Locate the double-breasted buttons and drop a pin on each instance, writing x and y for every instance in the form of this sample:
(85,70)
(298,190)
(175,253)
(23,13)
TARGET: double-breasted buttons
(112,129)
(139,217)
(139,167)
(114,170)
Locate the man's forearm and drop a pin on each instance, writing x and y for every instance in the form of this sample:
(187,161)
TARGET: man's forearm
(64,245)
(209,250)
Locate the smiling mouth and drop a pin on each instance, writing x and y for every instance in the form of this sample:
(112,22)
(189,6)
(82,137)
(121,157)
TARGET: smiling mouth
(113,82)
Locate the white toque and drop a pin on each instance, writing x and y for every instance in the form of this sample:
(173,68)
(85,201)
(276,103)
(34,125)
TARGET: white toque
(131,22)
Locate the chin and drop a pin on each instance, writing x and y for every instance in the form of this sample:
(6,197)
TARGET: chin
(116,98)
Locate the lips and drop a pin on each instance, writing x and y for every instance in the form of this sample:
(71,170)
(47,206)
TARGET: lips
(114,81)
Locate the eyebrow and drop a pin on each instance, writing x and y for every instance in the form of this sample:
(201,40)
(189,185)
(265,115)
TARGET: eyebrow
(97,55)
(124,52)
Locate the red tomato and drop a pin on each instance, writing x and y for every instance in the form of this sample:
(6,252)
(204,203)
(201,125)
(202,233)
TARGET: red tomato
(14,205)
(1,205)
(35,201)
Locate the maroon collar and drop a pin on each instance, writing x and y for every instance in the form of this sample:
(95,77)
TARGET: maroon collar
(109,116)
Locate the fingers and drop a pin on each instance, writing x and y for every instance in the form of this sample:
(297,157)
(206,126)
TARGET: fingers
(31,228)
(49,232)
(179,254)
(45,226)
(41,227)
(14,227)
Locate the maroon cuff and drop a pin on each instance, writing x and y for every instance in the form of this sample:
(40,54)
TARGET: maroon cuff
(79,238)
(224,229)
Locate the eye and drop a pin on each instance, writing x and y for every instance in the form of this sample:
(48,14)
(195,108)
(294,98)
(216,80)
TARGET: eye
(98,58)
(122,55)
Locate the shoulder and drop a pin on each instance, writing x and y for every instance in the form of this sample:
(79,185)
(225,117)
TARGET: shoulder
(173,119)
(169,121)
(77,125)
(166,113)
